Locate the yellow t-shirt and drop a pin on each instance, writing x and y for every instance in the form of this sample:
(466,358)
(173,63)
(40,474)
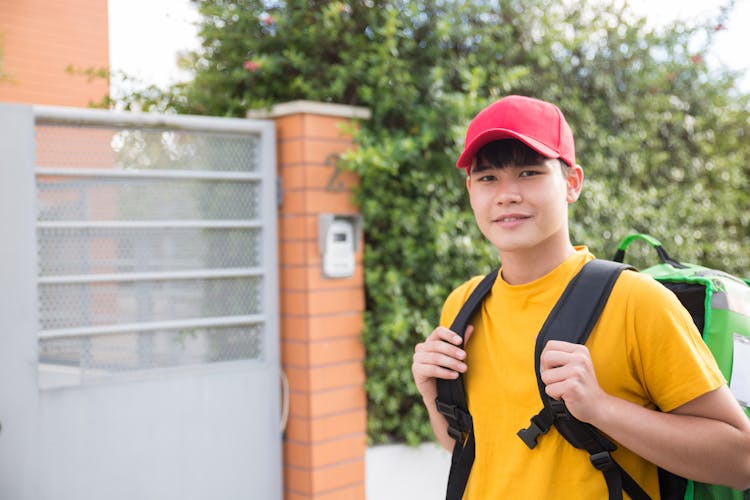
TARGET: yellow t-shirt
(645,349)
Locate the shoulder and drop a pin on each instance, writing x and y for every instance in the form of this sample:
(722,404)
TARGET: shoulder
(648,305)
(642,289)
(456,299)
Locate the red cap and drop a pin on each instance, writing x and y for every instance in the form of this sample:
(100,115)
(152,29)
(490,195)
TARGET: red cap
(538,124)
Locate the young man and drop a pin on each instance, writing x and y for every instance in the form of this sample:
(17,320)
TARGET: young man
(644,355)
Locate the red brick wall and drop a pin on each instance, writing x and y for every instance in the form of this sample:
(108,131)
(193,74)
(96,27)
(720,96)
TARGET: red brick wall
(321,318)
(40,38)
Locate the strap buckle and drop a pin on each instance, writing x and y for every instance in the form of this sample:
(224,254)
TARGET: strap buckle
(540,424)
(459,421)
(603,461)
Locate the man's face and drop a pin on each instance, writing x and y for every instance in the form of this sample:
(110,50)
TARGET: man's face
(523,208)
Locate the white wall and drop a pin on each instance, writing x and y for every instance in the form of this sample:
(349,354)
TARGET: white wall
(400,472)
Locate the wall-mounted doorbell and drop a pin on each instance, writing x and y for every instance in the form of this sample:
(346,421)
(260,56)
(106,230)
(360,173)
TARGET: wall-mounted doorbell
(337,240)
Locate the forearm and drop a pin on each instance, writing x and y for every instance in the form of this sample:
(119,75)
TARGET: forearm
(438,357)
(696,447)
(439,425)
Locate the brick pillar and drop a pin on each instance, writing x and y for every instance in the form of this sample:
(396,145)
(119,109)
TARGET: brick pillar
(321,318)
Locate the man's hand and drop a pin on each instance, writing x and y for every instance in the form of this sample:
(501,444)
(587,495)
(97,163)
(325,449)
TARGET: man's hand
(568,373)
(439,356)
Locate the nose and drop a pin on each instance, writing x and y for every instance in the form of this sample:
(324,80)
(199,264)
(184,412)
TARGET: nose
(507,192)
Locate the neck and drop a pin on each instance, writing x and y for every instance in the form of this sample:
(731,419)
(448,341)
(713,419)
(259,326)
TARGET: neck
(520,267)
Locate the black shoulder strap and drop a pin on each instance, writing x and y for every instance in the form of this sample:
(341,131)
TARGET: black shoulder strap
(451,399)
(572,320)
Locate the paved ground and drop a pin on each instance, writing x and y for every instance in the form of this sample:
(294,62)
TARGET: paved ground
(399,472)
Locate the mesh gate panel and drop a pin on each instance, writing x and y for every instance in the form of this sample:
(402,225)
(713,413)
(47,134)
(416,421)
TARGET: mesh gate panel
(129,250)
(131,199)
(91,304)
(149,249)
(63,145)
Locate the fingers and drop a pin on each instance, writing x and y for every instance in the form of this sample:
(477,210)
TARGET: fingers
(439,356)
(557,354)
(568,374)
(562,361)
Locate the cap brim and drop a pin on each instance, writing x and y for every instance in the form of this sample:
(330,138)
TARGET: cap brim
(496,134)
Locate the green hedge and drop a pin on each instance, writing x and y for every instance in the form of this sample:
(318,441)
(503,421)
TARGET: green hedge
(664,140)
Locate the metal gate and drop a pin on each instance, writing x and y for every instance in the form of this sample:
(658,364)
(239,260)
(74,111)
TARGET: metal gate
(145,358)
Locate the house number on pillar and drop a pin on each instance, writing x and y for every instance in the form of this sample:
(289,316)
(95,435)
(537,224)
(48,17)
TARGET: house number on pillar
(335,183)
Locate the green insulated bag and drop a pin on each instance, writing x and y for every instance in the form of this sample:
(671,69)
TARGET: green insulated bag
(719,304)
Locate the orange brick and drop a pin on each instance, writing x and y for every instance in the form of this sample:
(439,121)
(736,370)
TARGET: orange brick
(306,404)
(330,179)
(40,38)
(316,201)
(294,227)
(299,379)
(307,430)
(293,176)
(303,354)
(335,325)
(335,301)
(299,400)
(293,495)
(289,126)
(351,492)
(298,480)
(338,400)
(295,202)
(323,453)
(325,377)
(336,350)
(290,153)
(339,475)
(298,428)
(321,201)
(295,352)
(294,327)
(329,127)
(343,423)
(323,151)
(321,327)
(338,375)
(297,252)
(298,454)
(294,302)
(311,278)
(339,449)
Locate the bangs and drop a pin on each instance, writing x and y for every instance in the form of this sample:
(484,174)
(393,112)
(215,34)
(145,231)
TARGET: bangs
(508,152)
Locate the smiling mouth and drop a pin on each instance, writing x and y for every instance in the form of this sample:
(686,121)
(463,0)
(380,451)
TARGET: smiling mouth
(512,218)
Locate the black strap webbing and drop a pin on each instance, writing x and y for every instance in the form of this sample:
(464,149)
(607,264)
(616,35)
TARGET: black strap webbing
(572,320)
(451,400)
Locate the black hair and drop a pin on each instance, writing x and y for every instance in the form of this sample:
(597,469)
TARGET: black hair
(506,152)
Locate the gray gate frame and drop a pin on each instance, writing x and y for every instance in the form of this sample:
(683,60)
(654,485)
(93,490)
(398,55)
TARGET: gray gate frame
(21,399)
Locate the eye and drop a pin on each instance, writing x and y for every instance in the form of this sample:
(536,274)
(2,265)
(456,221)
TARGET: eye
(530,172)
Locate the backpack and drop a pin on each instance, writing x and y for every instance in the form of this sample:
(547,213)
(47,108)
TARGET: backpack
(719,304)
(701,290)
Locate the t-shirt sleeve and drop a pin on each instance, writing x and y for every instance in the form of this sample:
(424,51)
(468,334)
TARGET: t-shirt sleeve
(455,300)
(674,364)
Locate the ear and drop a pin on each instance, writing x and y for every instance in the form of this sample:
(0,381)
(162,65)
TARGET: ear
(574,183)
(468,181)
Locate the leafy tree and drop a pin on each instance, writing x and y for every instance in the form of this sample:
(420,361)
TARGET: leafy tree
(662,138)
